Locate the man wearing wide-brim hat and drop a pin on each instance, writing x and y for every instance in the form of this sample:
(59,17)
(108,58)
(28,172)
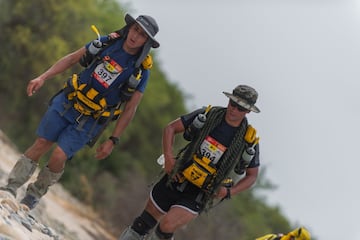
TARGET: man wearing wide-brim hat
(245,97)
(147,24)
(109,88)
(222,146)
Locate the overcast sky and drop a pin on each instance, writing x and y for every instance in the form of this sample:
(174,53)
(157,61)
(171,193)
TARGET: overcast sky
(303,58)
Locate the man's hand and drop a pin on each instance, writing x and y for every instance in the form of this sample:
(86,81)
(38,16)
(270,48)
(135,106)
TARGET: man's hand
(104,150)
(169,163)
(114,35)
(222,193)
(34,85)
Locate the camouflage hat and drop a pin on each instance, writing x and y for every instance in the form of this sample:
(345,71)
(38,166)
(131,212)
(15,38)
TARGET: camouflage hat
(245,96)
(148,24)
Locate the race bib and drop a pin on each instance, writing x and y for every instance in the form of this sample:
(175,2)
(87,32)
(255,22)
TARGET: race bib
(212,149)
(107,71)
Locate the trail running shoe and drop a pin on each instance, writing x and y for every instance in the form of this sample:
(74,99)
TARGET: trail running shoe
(30,201)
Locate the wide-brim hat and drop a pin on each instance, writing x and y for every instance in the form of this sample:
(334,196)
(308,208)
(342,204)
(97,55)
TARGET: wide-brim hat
(245,97)
(148,24)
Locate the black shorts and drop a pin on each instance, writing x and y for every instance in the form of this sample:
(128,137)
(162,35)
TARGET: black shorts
(166,196)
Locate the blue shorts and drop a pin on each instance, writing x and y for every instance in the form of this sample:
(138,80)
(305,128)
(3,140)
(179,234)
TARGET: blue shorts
(166,196)
(64,129)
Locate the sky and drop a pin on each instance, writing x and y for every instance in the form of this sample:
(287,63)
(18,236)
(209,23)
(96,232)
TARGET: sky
(302,57)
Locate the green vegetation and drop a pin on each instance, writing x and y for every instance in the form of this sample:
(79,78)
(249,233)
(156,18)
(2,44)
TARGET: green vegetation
(37,33)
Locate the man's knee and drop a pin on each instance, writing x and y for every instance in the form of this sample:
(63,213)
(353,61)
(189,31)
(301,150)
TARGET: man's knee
(42,143)
(144,223)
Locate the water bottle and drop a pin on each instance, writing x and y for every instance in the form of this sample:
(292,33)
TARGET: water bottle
(92,50)
(129,88)
(95,47)
(246,158)
(135,78)
(194,127)
(248,154)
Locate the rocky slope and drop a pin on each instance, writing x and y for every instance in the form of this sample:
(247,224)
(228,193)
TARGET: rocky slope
(58,215)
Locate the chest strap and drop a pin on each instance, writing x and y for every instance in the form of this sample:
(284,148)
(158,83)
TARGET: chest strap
(88,101)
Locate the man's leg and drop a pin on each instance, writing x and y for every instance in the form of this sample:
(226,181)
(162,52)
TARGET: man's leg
(176,218)
(39,188)
(142,224)
(130,234)
(48,176)
(20,174)
(140,227)
(26,165)
(158,234)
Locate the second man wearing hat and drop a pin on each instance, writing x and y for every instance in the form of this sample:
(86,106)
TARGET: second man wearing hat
(221,144)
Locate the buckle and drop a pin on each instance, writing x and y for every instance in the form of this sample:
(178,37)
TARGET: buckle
(79,118)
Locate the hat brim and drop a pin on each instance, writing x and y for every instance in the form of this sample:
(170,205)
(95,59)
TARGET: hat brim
(130,20)
(242,102)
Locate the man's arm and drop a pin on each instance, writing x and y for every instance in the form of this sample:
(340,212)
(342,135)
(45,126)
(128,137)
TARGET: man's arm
(244,184)
(128,114)
(168,139)
(125,118)
(59,67)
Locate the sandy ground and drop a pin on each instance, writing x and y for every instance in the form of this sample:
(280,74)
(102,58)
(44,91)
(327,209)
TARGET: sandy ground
(58,210)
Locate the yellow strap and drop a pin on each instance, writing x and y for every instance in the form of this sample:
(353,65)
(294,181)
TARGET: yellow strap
(267,237)
(74,81)
(92,93)
(88,102)
(148,62)
(82,110)
(250,135)
(87,106)
(107,113)
(87,112)
(204,162)
(73,85)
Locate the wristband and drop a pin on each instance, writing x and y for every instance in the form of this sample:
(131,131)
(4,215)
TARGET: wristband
(115,140)
(228,193)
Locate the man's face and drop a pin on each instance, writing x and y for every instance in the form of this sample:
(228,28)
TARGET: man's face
(235,113)
(136,37)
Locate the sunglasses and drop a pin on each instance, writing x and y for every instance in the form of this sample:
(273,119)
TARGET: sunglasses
(238,107)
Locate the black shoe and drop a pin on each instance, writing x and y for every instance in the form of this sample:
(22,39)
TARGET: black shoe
(30,201)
